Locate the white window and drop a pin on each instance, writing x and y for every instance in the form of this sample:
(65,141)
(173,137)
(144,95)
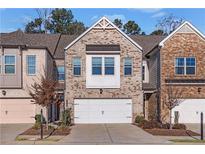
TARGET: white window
(10,64)
(76,66)
(31,64)
(185,66)
(109,65)
(128,66)
(96,65)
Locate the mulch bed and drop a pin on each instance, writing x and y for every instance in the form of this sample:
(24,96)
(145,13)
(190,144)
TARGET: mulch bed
(172,132)
(50,131)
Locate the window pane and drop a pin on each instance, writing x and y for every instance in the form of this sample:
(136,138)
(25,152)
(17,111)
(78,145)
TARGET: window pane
(77,66)
(76,61)
(179,70)
(97,70)
(10,69)
(31,64)
(77,71)
(96,65)
(109,70)
(10,60)
(190,61)
(128,66)
(109,65)
(128,71)
(190,70)
(61,73)
(179,61)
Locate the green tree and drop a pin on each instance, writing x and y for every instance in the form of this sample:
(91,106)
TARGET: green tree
(34,26)
(143,33)
(60,21)
(158,32)
(131,28)
(118,23)
(76,28)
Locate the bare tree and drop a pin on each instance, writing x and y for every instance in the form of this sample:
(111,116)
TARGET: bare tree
(44,15)
(169,23)
(43,93)
(172,99)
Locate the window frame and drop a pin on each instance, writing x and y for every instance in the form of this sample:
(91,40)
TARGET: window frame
(102,72)
(109,66)
(27,66)
(60,73)
(74,66)
(185,67)
(127,75)
(9,64)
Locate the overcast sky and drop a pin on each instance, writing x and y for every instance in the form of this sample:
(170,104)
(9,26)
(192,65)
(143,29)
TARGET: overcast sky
(13,19)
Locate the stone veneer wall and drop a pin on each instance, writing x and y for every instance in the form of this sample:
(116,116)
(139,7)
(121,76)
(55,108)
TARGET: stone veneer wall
(182,45)
(130,87)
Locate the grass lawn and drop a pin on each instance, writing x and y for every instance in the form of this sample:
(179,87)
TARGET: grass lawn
(187,141)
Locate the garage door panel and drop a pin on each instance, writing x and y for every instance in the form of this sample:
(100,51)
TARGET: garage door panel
(17,111)
(103,111)
(189,110)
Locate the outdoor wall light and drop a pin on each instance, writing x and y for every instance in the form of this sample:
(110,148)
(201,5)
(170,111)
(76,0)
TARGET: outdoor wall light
(3,92)
(101,91)
(199,90)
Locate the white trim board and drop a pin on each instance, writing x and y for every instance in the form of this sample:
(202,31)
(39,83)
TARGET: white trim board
(106,26)
(183,24)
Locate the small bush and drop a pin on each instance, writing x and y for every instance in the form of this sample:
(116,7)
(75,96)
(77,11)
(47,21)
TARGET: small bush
(150,124)
(66,117)
(165,126)
(139,119)
(179,126)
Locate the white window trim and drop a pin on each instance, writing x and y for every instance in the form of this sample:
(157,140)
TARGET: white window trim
(80,66)
(30,74)
(6,64)
(103,66)
(185,66)
(124,67)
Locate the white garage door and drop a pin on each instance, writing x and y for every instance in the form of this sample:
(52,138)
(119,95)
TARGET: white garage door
(103,111)
(189,110)
(16,111)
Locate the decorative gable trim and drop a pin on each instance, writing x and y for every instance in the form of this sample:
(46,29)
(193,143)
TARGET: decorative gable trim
(186,23)
(104,24)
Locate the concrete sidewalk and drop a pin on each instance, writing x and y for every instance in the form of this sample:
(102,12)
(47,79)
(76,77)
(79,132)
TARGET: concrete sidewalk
(8,132)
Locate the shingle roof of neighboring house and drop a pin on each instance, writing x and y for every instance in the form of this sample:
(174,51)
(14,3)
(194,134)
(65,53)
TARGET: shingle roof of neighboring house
(57,42)
(147,42)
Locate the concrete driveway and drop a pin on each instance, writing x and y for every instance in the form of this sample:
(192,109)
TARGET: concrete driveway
(110,134)
(8,132)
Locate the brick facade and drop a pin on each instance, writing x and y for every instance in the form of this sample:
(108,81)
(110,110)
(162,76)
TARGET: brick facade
(130,87)
(182,45)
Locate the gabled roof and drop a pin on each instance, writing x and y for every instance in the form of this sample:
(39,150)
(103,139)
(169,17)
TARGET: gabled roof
(176,30)
(104,23)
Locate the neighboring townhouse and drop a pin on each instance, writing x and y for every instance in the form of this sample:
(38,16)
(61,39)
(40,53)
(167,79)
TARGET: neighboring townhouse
(177,64)
(104,75)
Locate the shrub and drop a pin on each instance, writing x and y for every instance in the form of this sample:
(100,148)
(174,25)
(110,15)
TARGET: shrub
(139,119)
(38,119)
(66,117)
(150,124)
(165,126)
(179,126)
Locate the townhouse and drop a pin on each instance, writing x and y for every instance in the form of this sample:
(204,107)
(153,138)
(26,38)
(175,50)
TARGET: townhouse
(104,75)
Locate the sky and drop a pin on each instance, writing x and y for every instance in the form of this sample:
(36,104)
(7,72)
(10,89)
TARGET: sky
(13,19)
